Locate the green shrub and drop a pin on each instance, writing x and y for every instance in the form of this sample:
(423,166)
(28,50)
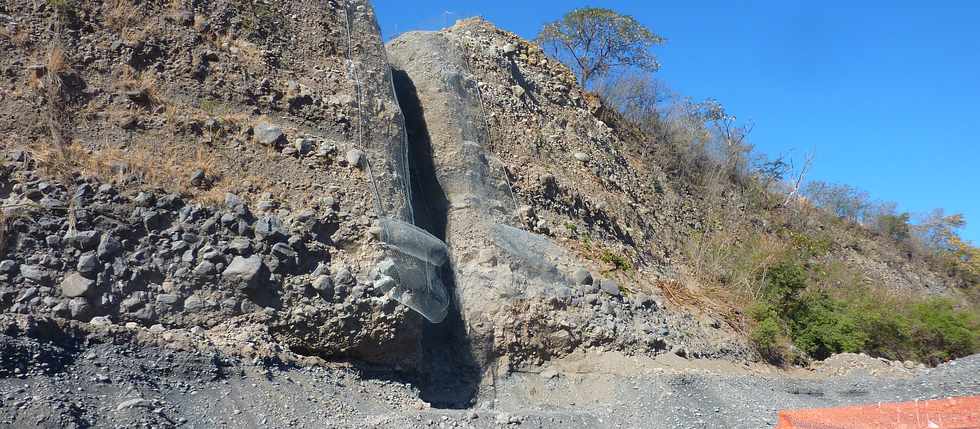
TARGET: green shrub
(887,325)
(930,330)
(855,319)
(616,260)
(783,284)
(894,226)
(810,245)
(940,332)
(822,326)
(770,341)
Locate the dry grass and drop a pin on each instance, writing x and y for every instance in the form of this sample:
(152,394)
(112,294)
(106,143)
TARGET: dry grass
(128,80)
(229,120)
(715,301)
(19,36)
(48,76)
(126,18)
(725,267)
(59,123)
(56,62)
(143,164)
(120,15)
(247,51)
(35,78)
(735,256)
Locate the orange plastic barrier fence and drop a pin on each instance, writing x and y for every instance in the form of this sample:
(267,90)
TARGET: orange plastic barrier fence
(949,413)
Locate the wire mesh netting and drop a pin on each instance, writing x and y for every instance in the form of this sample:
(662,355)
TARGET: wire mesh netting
(380,125)
(482,205)
(416,257)
(534,256)
(419,259)
(477,182)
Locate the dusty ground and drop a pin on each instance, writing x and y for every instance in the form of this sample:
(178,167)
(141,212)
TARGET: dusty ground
(123,385)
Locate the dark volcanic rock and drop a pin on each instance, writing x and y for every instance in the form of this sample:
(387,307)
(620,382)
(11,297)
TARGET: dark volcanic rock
(84,240)
(270,228)
(109,247)
(36,273)
(75,285)
(88,263)
(243,270)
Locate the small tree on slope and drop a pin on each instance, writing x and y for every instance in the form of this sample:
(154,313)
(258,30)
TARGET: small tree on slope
(594,41)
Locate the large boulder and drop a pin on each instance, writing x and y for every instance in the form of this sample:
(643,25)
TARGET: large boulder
(109,247)
(269,134)
(75,285)
(270,228)
(245,271)
(35,273)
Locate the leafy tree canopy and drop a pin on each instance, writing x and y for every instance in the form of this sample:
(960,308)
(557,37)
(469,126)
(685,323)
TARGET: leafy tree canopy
(595,41)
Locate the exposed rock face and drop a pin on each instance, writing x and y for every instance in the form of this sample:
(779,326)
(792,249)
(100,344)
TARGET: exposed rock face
(249,108)
(521,169)
(261,155)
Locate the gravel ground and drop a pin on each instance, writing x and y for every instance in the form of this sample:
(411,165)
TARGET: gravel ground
(709,399)
(125,385)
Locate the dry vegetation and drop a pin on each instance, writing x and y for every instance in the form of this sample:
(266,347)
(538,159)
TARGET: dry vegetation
(125,18)
(139,165)
(17,35)
(120,14)
(771,252)
(140,87)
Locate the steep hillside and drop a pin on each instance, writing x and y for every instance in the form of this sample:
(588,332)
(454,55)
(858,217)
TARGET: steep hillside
(185,166)
(485,96)
(259,183)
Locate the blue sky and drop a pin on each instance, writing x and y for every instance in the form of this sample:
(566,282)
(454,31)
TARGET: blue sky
(885,94)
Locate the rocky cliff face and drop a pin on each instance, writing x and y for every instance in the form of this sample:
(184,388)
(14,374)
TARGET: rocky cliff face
(551,219)
(187,165)
(258,179)
(193,165)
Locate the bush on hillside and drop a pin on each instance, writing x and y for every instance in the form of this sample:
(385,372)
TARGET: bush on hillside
(770,340)
(939,332)
(783,284)
(822,326)
(819,324)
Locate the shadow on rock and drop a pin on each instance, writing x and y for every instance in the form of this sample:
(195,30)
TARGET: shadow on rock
(449,375)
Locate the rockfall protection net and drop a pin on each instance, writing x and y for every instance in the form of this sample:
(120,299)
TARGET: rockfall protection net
(480,182)
(477,182)
(380,125)
(536,257)
(418,259)
(414,258)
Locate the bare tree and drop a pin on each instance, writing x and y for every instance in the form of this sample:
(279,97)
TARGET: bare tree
(636,96)
(795,188)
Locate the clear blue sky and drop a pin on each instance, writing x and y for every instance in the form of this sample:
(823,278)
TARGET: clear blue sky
(885,93)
